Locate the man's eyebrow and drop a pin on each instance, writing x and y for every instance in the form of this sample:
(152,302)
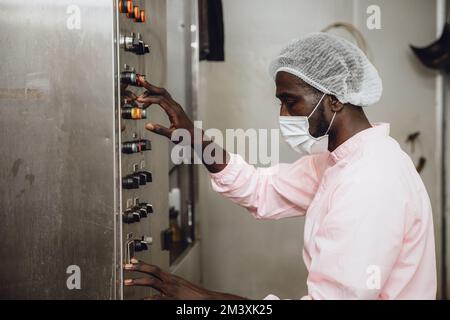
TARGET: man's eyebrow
(287,94)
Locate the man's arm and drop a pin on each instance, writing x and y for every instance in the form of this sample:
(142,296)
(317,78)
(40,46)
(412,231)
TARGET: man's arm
(268,193)
(171,287)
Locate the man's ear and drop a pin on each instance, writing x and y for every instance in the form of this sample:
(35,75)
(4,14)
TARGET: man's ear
(334,104)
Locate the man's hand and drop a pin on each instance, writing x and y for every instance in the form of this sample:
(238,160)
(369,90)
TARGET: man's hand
(178,118)
(170,286)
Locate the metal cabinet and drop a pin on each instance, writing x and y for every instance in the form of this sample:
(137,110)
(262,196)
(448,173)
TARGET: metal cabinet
(62,131)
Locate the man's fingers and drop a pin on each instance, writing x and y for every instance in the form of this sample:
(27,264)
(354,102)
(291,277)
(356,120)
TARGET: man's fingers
(143,267)
(130,95)
(159,100)
(159,129)
(153,89)
(145,282)
(146,99)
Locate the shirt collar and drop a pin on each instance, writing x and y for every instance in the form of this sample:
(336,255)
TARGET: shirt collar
(351,145)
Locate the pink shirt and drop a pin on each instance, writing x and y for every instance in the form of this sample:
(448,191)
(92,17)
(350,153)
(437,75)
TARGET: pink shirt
(369,225)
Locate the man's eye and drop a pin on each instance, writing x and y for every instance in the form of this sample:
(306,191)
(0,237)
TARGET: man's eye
(290,103)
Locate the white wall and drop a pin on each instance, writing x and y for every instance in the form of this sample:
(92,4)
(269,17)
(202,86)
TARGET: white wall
(253,258)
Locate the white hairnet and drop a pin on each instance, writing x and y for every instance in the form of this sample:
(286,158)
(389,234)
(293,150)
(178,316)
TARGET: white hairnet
(333,66)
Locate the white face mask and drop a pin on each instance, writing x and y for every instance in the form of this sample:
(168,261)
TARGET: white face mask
(295,130)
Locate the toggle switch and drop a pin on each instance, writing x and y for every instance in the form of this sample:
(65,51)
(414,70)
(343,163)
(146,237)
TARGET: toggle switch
(133,43)
(133,113)
(131,182)
(125,6)
(130,77)
(131,216)
(142,178)
(141,245)
(146,209)
(142,213)
(147,176)
(136,146)
(141,49)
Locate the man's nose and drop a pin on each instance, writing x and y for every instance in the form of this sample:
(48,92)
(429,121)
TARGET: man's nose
(284,112)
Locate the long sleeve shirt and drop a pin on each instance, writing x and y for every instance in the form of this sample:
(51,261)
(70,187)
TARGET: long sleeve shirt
(368,218)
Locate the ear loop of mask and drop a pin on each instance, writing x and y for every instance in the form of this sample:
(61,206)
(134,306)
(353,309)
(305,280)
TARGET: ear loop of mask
(331,123)
(318,104)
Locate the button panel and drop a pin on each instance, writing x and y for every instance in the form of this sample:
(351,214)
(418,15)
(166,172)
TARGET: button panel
(136,146)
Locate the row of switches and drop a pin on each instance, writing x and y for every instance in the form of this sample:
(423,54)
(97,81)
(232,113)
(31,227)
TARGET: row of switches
(133,43)
(135,180)
(136,214)
(132,11)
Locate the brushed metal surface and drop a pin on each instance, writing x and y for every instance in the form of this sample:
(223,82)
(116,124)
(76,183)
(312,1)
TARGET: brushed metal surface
(60,159)
(57,150)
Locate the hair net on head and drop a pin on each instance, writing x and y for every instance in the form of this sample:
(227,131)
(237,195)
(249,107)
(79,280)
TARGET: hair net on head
(333,66)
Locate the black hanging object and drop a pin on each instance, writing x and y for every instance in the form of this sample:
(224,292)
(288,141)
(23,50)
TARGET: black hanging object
(437,55)
(211,30)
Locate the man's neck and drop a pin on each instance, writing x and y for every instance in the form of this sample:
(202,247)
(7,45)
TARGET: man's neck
(347,129)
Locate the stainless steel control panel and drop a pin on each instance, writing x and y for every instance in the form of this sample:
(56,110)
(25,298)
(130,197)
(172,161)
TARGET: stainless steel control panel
(144,162)
(83,186)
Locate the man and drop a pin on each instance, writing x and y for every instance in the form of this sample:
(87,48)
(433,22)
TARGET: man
(368,229)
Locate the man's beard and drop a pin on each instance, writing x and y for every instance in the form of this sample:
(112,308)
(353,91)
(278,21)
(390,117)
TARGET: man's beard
(322,125)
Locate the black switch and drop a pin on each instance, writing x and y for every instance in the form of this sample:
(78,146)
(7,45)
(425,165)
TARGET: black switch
(142,213)
(142,49)
(146,207)
(142,178)
(139,47)
(148,176)
(140,245)
(130,182)
(134,43)
(131,216)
